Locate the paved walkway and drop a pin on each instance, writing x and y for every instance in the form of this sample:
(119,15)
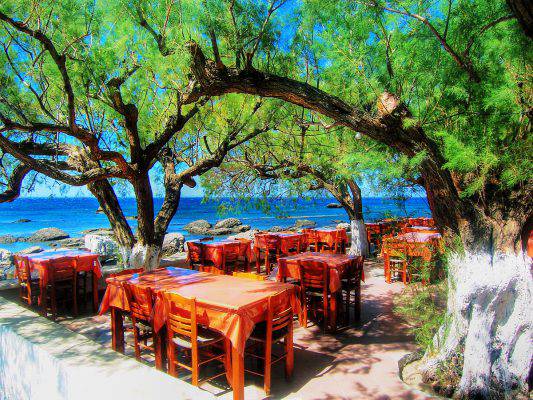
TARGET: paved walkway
(356,363)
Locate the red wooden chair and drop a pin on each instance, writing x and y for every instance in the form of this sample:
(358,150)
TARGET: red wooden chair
(28,286)
(198,345)
(311,239)
(62,285)
(314,289)
(231,258)
(351,281)
(332,244)
(277,327)
(291,245)
(270,244)
(395,258)
(141,303)
(195,254)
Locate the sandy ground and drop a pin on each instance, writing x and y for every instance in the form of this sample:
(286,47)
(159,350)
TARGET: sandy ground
(357,362)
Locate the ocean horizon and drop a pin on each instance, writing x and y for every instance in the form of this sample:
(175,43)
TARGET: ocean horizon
(76,214)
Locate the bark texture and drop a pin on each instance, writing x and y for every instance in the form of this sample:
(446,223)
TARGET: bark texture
(489,326)
(359,242)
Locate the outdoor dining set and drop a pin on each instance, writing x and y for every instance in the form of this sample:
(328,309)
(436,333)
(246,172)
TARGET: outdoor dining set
(236,300)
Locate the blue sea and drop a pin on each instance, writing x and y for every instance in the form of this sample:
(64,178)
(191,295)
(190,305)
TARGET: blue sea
(74,215)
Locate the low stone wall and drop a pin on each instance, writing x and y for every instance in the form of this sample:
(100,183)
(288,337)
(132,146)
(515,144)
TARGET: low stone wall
(42,360)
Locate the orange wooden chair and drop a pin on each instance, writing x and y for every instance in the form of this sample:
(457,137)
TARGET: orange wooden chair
(277,327)
(395,258)
(249,275)
(195,343)
(28,286)
(332,244)
(271,246)
(311,239)
(291,245)
(351,281)
(62,285)
(231,258)
(141,303)
(314,289)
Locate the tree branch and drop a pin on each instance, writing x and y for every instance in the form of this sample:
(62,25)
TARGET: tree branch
(14,183)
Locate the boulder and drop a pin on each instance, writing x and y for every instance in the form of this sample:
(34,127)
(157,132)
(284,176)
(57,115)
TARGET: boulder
(98,231)
(8,239)
(304,223)
(6,258)
(48,234)
(344,225)
(220,231)
(276,228)
(199,227)
(21,221)
(242,228)
(103,245)
(31,250)
(249,234)
(69,243)
(228,223)
(334,205)
(173,243)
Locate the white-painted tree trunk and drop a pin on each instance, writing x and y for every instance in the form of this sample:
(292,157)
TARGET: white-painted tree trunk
(359,242)
(489,321)
(143,256)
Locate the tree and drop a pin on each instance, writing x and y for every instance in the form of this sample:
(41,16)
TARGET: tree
(86,105)
(467,117)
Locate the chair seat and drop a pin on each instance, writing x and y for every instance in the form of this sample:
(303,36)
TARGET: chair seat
(259,333)
(206,337)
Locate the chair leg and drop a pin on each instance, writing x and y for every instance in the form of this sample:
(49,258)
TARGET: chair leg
(268,365)
(75,295)
(53,301)
(171,355)
(289,349)
(195,366)
(136,339)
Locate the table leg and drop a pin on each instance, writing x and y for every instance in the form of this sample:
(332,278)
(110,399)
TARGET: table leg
(289,349)
(357,300)
(160,349)
(42,296)
(117,330)
(95,292)
(333,311)
(237,366)
(257,266)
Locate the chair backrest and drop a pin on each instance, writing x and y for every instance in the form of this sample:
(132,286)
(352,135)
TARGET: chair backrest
(272,242)
(22,266)
(140,301)
(127,272)
(232,251)
(249,275)
(181,318)
(394,248)
(314,274)
(62,269)
(292,244)
(195,251)
(279,316)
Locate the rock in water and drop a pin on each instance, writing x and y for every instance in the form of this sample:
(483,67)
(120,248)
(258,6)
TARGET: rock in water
(106,247)
(6,258)
(69,243)
(8,239)
(334,205)
(22,220)
(173,243)
(344,225)
(199,227)
(48,234)
(304,223)
(31,250)
(98,231)
(228,223)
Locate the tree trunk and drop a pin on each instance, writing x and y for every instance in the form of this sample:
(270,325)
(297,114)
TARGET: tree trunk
(145,256)
(359,242)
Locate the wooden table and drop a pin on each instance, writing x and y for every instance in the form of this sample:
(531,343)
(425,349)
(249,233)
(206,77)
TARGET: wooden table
(338,264)
(214,250)
(233,313)
(86,261)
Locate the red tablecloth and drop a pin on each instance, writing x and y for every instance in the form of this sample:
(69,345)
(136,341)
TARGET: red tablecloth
(86,261)
(331,235)
(226,304)
(285,240)
(418,237)
(338,264)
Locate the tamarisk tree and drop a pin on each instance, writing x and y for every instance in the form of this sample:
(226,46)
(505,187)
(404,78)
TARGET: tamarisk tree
(84,103)
(445,81)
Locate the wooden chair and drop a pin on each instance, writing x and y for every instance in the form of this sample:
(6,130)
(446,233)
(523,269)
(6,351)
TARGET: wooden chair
(332,245)
(311,239)
(199,345)
(278,327)
(28,286)
(195,254)
(232,259)
(62,285)
(141,303)
(292,245)
(395,259)
(249,275)
(272,252)
(351,281)
(314,289)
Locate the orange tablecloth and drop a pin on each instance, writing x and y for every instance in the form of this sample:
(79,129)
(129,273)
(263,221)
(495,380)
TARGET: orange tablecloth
(214,250)
(338,264)
(229,305)
(41,262)
(284,240)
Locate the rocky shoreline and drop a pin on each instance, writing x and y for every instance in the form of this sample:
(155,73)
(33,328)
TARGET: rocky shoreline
(102,241)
